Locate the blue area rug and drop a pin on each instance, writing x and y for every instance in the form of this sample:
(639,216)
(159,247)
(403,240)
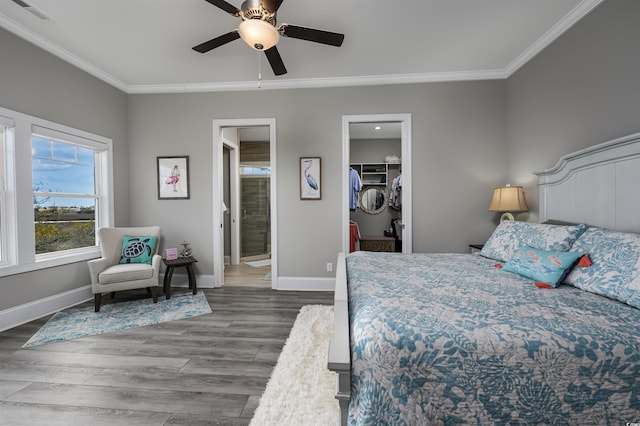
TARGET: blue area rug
(74,323)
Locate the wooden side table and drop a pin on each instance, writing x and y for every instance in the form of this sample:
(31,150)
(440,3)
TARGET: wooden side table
(187,262)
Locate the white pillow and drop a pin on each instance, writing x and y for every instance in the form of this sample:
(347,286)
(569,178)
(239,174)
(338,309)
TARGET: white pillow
(510,235)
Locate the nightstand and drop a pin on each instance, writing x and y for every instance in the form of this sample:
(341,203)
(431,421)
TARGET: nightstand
(475,248)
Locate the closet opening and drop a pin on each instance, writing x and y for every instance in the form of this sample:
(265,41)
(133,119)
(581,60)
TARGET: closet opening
(377,183)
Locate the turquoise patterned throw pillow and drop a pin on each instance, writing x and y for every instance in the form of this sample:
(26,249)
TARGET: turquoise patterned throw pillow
(137,249)
(510,235)
(541,265)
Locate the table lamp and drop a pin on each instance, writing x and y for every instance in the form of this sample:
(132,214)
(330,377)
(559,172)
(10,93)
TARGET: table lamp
(508,199)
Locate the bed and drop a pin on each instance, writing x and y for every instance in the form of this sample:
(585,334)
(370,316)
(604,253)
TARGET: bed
(530,331)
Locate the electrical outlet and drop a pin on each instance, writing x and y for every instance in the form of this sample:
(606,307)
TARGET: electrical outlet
(329,267)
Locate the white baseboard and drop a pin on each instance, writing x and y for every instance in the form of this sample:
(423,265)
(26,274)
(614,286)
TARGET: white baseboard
(306,284)
(182,280)
(22,314)
(284,283)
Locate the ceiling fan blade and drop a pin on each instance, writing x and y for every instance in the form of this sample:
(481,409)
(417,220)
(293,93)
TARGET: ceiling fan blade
(227,7)
(217,42)
(271,5)
(309,34)
(275,60)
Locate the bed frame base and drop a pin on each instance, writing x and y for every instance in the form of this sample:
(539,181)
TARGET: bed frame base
(339,360)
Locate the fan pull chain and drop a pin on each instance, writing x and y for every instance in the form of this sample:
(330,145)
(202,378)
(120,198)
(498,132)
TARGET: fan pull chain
(259,72)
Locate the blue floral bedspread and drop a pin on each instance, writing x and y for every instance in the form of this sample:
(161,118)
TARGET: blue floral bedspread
(451,339)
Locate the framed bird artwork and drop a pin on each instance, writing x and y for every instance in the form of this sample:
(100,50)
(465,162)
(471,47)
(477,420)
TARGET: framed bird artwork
(310,178)
(173,178)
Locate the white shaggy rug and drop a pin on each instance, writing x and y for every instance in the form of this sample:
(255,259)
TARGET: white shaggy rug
(301,389)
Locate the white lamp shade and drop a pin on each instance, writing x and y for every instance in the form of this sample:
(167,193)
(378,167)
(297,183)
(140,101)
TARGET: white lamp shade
(258,34)
(508,199)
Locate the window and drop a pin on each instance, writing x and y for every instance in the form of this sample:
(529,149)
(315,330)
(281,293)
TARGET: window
(255,170)
(5,140)
(64,195)
(56,191)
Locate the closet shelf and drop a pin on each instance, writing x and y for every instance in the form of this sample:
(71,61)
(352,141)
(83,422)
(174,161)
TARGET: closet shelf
(373,173)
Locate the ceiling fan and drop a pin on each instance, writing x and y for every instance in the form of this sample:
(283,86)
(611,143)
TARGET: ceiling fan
(258,29)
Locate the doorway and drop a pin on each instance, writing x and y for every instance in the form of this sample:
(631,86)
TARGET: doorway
(255,193)
(349,125)
(244,211)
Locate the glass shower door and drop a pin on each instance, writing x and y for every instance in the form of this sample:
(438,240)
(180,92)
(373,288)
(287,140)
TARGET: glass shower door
(255,215)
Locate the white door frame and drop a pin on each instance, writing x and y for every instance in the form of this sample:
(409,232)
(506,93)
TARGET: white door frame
(218,179)
(405,127)
(233,208)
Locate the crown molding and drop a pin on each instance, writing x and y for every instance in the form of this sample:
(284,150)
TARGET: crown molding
(564,24)
(60,52)
(367,80)
(578,12)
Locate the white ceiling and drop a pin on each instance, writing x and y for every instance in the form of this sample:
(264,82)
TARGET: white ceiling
(144,46)
(382,130)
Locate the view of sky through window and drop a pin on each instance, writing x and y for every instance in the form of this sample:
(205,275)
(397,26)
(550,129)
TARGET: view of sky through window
(64,168)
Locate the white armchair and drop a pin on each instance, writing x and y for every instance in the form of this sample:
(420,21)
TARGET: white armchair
(108,275)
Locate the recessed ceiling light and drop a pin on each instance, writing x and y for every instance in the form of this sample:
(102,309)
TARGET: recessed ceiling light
(377,128)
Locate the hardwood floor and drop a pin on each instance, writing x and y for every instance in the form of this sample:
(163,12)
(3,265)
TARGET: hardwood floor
(206,370)
(245,275)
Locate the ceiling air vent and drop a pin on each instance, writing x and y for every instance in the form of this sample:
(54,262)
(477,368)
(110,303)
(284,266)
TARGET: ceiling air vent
(32,9)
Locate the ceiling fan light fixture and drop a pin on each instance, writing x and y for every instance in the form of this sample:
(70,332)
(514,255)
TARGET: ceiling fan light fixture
(258,34)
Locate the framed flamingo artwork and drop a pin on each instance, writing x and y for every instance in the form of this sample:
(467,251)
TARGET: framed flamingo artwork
(310,178)
(173,178)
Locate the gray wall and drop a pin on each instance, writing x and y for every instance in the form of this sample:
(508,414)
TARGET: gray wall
(374,150)
(459,153)
(39,84)
(581,90)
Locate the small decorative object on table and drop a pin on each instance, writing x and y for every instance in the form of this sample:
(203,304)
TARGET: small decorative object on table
(171,253)
(186,251)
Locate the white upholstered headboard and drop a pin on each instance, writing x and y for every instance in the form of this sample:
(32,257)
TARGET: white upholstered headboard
(598,186)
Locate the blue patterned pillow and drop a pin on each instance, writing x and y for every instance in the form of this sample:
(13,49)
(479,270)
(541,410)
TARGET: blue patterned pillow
(510,235)
(615,269)
(138,249)
(541,265)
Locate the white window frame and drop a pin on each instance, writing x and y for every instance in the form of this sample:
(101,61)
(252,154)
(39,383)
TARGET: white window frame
(20,244)
(7,204)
